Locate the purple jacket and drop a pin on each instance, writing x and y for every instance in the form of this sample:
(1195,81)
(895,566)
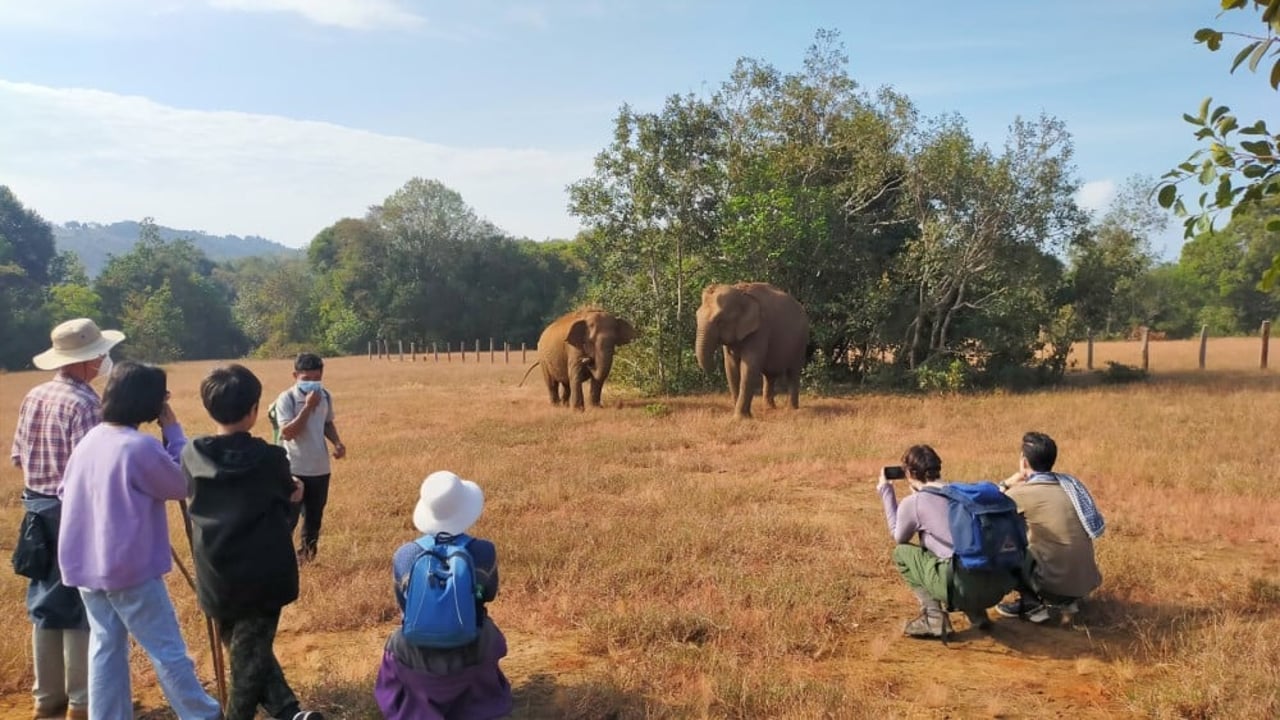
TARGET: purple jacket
(115,533)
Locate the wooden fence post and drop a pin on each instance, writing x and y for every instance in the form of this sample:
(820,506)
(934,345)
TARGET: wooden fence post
(435,350)
(1266,340)
(1088,357)
(448,352)
(477,349)
(1204,342)
(370,349)
(506,352)
(386,347)
(491,355)
(1146,340)
(400,347)
(462,348)
(413,351)
(523,359)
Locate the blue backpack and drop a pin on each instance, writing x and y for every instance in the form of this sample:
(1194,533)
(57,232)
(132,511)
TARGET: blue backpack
(440,602)
(986,530)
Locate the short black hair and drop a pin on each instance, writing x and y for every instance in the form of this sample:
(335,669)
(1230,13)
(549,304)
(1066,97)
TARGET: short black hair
(229,393)
(307,361)
(135,394)
(922,463)
(1040,451)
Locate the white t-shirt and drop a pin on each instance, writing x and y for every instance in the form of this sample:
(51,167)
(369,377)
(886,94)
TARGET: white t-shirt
(308,453)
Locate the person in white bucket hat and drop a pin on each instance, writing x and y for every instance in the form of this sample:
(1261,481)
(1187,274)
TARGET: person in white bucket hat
(54,416)
(454,683)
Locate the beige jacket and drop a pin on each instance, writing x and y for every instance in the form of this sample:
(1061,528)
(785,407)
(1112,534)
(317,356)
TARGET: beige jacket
(1063,551)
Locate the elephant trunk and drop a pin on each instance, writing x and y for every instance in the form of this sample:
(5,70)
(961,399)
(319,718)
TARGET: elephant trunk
(602,364)
(704,347)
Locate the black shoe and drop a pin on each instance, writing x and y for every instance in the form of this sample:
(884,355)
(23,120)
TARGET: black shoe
(308,715)
(1027,609)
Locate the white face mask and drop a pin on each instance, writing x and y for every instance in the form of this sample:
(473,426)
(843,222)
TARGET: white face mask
(104,368)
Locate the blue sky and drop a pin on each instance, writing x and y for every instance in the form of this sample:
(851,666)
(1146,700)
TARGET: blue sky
(277,117)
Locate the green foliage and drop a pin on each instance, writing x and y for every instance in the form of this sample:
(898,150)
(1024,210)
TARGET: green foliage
(154,324)
(68,301)
(940,375)
(130,283)
(26,251)
(1239,165)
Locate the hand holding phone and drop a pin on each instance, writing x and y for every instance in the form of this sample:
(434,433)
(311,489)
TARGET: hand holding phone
(893,472)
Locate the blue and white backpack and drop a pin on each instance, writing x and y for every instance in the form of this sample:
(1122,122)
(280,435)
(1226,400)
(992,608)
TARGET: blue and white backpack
(440,601)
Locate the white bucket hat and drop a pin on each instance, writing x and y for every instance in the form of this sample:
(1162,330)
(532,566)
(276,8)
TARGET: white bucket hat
(76,341)
(447,504)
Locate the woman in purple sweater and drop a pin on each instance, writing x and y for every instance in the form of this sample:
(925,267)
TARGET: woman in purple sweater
(114,545)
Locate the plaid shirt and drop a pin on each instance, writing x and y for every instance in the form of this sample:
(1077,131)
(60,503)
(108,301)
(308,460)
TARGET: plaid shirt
(53,418)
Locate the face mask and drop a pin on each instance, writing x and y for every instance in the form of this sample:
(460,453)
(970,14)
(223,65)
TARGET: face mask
(104,368)
(308,386)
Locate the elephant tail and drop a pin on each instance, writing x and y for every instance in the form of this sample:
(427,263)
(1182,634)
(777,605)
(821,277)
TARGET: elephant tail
(526,373)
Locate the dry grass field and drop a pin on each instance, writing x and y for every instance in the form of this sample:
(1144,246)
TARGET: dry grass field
(661,560)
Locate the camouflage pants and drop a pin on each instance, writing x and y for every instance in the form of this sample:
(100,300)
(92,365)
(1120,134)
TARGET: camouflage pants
(256,677)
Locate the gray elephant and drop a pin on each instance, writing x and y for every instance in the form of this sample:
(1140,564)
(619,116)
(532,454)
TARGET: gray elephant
(578,348)
(764,332)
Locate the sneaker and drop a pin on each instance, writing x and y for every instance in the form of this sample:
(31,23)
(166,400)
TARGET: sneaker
(1024,608)
(308,715)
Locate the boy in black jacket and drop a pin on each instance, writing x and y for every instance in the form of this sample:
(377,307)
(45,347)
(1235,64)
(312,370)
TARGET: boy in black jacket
(246,569)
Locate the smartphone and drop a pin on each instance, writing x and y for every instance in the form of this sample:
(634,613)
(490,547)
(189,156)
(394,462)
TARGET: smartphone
(894,472)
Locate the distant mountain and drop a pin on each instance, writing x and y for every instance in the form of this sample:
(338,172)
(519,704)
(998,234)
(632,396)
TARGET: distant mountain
(94,242)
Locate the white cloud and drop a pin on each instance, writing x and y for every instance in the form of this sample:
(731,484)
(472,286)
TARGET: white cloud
(350,14)
(1095,196)
(75,154)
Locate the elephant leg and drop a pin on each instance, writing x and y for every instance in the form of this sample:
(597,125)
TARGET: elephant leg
(553,387)
(770,386)
(750,386)
(793,387)
(596,387)
(562,393)
(575,393)
(732,375)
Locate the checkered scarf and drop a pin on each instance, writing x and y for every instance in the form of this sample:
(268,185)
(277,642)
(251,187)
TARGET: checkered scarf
(1083,502)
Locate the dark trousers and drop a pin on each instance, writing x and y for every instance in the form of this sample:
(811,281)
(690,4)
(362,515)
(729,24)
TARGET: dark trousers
(315,494)
(256,677)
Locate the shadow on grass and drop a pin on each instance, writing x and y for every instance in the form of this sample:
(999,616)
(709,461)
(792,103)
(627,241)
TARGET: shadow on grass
(541,696)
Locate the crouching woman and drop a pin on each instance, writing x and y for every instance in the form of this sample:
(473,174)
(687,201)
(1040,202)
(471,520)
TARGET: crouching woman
(418,682)
(939,583)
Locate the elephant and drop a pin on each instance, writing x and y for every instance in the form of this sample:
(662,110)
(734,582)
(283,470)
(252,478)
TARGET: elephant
(765,333)
(578,348)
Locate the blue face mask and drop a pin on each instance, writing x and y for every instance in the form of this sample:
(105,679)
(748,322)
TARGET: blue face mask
(308,386)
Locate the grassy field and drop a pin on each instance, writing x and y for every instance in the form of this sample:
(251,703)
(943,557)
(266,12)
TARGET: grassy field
(661,560)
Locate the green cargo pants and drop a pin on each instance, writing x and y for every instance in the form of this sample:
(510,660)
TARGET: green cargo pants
(956,588)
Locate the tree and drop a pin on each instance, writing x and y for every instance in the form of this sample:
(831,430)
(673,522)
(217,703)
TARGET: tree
(1110,258)
(26,251)
(1243,172)
(129,283)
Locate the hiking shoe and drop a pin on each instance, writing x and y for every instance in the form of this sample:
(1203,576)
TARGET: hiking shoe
(928,625)
(308,715)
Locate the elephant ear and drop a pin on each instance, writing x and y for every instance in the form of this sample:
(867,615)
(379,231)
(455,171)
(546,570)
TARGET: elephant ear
(626,332)
(578,333)
(747,319)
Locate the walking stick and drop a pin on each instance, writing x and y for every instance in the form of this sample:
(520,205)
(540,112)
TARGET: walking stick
(215,644)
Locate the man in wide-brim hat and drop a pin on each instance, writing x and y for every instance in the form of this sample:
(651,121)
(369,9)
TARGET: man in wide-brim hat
(53,418)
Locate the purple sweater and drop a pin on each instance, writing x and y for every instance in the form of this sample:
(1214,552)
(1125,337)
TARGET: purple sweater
(921,513)
(115,533)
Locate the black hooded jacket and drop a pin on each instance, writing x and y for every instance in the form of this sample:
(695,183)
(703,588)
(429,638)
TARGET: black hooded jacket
(243,546)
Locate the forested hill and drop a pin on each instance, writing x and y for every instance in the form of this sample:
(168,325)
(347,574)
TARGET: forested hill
(94,242)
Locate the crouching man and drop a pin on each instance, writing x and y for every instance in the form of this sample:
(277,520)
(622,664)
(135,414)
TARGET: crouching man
(1062,523)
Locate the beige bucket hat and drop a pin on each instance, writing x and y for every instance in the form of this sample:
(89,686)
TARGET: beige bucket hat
(447,504)
(76,341)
